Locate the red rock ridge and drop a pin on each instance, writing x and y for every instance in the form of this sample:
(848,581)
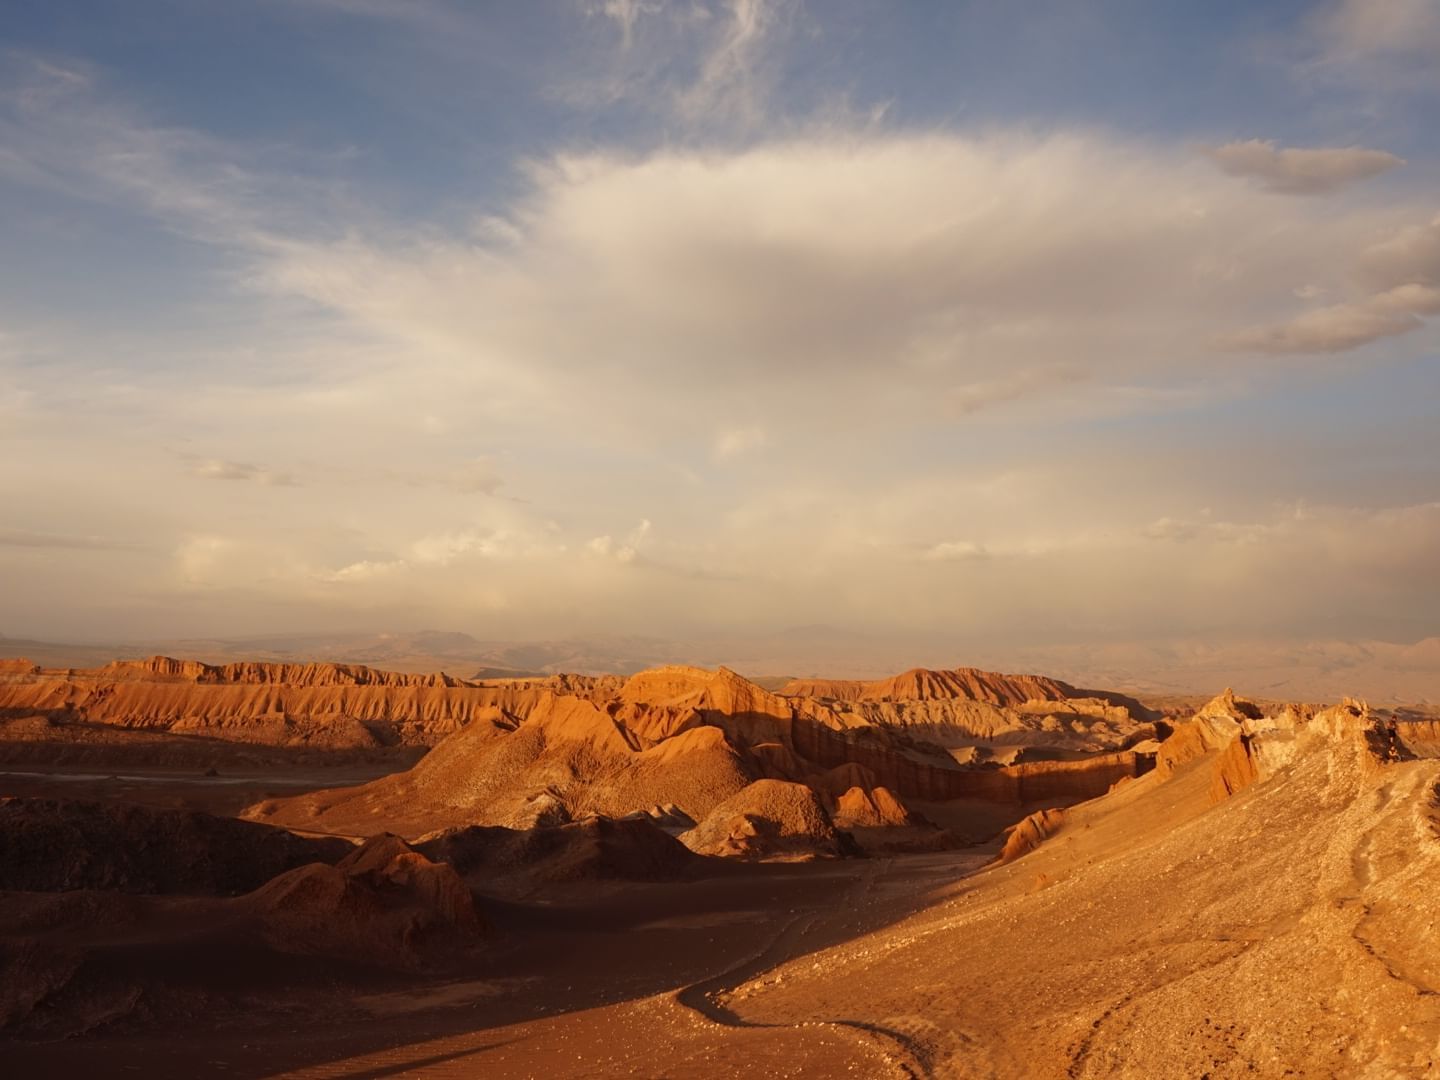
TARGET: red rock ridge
(923,684)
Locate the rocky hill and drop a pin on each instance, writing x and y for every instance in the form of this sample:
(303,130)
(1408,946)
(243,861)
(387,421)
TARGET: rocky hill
(692,739)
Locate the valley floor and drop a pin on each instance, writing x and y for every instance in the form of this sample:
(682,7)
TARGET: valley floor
(612,980)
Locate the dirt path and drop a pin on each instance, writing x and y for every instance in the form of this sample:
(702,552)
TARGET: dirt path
(897,1051)
(690,1032)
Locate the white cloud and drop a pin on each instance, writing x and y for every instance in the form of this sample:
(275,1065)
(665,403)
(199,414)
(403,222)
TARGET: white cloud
(1183,530)
(973,397)
(1301,170)
(1406,270)
(705,65)
(836,299)
(1169,528)
(729,81)
(956,551)
(736,442)
(625,13)
(516,542)
(365,571)
(1411,255)
(623,551)
(1332,329)
(199,557)
(1368,28)
(929,272)
(216,469)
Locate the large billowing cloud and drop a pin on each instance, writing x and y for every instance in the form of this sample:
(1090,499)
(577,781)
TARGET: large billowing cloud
(943,272)
(860,378)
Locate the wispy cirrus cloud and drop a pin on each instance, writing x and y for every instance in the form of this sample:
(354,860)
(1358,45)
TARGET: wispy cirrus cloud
(625,14)
(709,66)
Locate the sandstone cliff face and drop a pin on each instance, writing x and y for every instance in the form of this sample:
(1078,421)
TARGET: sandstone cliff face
(20,670)
(351,706)
(1212,728)
(1260,749)
(920,772)
(250,672)
(321,705)
(964,708)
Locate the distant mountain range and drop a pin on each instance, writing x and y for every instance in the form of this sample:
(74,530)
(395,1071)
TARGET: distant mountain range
(1383,672)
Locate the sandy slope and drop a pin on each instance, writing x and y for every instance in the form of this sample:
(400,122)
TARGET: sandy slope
(1292,930)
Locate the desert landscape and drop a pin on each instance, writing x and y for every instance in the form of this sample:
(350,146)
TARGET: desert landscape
(691,539)
(326,870)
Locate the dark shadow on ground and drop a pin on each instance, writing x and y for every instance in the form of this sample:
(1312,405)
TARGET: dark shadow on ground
(579,948)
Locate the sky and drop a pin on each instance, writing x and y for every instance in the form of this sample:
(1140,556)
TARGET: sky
(1062,322)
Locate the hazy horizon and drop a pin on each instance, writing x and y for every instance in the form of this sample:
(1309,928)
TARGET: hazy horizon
(951,327)
(1382,672)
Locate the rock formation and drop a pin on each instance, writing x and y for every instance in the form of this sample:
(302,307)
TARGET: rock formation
(769,817)
(873,808)
(690,739)
(595,848)
(384,904)
(1029,833)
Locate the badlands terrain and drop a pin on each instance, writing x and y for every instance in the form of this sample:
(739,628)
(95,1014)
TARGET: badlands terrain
(258,869)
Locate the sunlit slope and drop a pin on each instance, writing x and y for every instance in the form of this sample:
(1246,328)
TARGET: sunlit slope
(1171,929)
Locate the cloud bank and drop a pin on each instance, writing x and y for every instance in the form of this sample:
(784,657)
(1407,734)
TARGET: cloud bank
(995,379)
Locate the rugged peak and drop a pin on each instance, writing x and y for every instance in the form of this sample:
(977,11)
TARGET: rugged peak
(1227,706)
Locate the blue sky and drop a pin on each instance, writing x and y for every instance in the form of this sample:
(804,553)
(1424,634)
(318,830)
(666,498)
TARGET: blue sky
(1104,318)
